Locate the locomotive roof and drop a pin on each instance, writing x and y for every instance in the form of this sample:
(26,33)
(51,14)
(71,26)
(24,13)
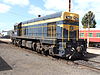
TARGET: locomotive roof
(55,15)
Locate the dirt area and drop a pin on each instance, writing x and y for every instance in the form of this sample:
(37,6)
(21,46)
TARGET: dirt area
(93,50)
(20,61)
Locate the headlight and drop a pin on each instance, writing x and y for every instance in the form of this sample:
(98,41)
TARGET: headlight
(69,17)
(75,18)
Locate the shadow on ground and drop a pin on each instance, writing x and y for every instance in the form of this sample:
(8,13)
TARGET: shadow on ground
(3,65)
(1,42)
(91,55)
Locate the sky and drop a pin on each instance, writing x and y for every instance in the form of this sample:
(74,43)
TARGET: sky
(15,11)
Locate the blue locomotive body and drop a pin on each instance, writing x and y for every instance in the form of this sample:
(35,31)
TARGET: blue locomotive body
(56,34)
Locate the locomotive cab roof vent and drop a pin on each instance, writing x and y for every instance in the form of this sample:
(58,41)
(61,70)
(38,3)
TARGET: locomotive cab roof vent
(39,15)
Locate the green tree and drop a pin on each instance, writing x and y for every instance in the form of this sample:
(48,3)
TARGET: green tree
(88,21)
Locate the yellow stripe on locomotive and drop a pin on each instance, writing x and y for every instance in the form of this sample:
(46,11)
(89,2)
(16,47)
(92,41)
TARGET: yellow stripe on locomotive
(67,22)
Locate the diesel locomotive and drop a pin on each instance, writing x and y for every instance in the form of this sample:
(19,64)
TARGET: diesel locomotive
(56,35)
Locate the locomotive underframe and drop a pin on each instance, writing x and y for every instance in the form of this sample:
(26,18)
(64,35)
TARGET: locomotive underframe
(54,47)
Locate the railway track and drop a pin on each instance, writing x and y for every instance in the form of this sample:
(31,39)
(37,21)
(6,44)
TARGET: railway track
(90,64)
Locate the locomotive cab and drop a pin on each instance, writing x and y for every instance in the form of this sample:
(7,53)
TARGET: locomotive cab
(70,46)
(18,29)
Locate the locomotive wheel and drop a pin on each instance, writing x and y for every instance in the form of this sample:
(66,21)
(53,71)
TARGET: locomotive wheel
(46,53)
(19,44)
(14,42)
(46,50)
(42,52)
(51,51)
(38,47)
(33,46)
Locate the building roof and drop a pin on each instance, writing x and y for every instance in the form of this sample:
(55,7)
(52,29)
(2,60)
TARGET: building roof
(90,29)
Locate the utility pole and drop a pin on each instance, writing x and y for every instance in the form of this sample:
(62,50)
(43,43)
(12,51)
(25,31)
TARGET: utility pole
(69,5)
(88,34)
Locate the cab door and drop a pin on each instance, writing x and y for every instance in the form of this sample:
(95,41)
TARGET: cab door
(19,29)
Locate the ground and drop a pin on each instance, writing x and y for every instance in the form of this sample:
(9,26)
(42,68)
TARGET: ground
(20,61)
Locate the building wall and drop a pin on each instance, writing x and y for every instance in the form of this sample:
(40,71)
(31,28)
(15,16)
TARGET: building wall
(94,35)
